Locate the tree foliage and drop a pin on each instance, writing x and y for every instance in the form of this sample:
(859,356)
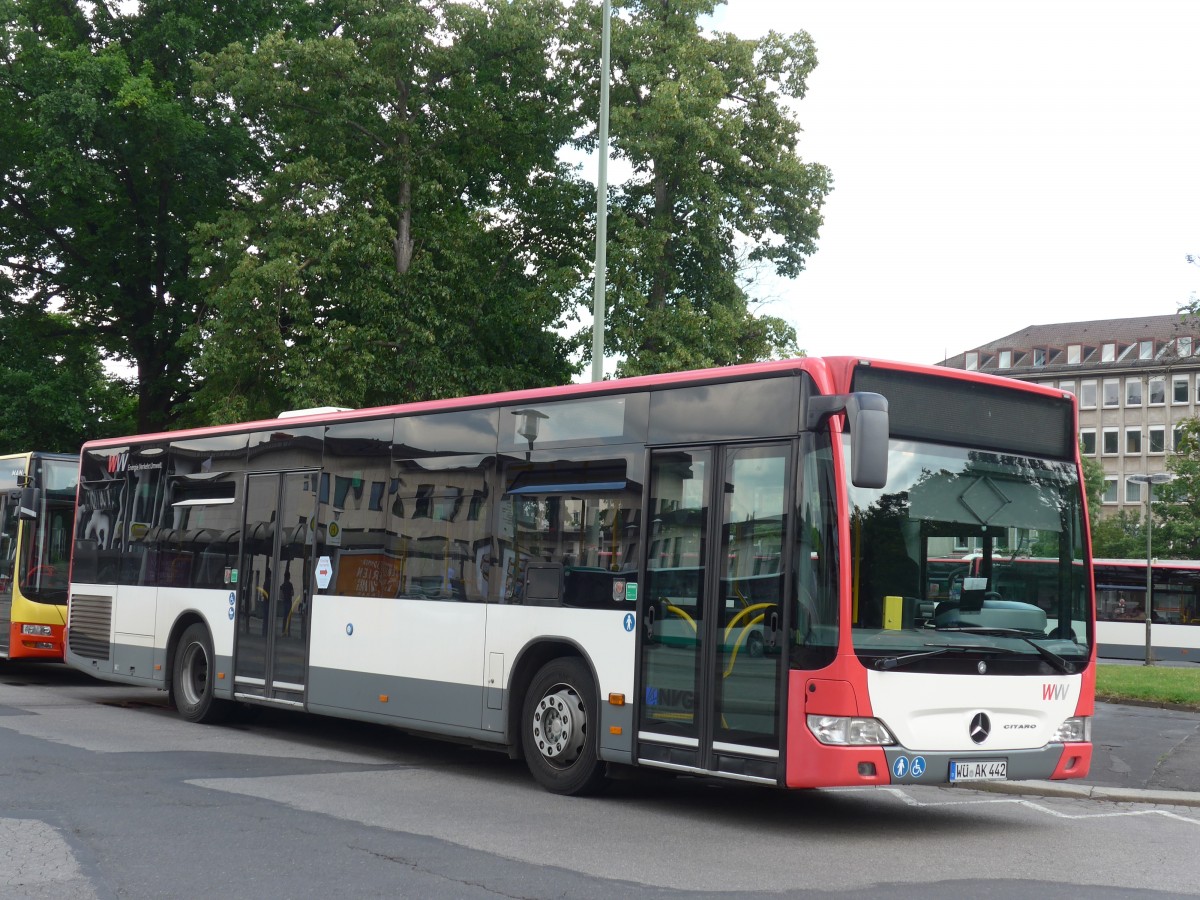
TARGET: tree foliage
(108,163)
(55,399)
(290,202)
(704,122)
(1120,536)
(1177,503)
(411,233)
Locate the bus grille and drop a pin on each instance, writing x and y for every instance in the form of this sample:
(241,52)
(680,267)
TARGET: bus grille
(90,626)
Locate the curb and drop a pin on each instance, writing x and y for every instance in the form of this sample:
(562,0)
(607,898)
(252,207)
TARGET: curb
(1091,792)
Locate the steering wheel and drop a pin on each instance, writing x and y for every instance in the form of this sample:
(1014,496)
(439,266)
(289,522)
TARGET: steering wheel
(42,571)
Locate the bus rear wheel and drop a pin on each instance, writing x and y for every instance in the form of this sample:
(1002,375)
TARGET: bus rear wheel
(192,677)
(559,728)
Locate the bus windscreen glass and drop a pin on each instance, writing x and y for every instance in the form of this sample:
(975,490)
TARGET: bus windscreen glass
(929,555)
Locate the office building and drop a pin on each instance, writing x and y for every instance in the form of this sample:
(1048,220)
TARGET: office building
(1137,380)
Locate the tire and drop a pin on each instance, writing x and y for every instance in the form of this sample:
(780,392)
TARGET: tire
(560,729)
(192,677)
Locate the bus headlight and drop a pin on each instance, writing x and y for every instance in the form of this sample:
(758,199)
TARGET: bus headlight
(1076,729)
(849,731)
(37,630)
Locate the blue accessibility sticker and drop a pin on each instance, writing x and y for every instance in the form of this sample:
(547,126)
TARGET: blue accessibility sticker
(918,767)
(231,614)
(629,621)
(232,598)
(900,767)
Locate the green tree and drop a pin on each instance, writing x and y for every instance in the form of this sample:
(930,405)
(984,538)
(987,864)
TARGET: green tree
(1119,536)
(56,395)
(107,164)
(1177,503)
(1093,486)
(412,233)
(717,183)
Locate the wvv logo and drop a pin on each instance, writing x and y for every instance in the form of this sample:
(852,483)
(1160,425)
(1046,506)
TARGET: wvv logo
(1055,691)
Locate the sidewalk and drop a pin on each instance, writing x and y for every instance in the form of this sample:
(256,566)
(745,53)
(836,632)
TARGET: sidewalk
(1141,754)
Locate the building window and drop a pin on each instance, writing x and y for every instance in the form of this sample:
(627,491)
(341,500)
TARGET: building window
(1133,491)
(1110,490)
(1108,352)
(1183,347)
(1087,393)
(1146,350)
(1133,392)
(1158,390)
(1087,441)
(972,363)
(1133,441)
(1157,435)
(1073,355)
(1068,386)
(1005,359)
(1179,389)
(1112,439)
(1039,356)
(1176,437)
(1112,392)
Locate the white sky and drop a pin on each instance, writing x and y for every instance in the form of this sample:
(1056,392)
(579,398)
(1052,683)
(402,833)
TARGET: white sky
(997,164)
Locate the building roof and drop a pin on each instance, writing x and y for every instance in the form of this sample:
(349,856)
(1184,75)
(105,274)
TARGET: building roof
(1045,347)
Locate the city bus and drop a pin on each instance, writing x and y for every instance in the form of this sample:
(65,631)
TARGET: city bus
(37,505)
(717,573)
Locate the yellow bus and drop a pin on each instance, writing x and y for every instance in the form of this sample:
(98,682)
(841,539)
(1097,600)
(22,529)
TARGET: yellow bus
(37,516)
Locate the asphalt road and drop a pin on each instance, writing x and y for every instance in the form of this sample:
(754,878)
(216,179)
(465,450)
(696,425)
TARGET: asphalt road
(106,793)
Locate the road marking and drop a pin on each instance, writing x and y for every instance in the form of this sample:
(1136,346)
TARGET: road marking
(905,797)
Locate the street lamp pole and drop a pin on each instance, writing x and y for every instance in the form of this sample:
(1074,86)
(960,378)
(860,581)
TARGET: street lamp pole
(1150,481)
(598,311)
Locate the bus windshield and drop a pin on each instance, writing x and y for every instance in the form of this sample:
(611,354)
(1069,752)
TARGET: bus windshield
(932,551)
(42,570)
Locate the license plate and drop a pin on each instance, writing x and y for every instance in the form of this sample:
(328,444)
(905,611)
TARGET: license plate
(979,770)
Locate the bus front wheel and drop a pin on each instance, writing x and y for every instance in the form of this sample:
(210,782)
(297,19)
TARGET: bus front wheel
(192,677)
(560,723)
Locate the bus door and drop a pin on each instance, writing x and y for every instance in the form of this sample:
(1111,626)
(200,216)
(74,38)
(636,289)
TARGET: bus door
(711,638)
(275,583)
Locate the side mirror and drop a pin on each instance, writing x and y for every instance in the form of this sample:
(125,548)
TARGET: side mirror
(867,419)
(30,503)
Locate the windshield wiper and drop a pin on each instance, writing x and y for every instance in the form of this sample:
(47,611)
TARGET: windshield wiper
(1067,668)
(895,662)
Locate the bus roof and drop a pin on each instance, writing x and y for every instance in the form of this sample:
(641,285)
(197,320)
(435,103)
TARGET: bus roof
(837,370)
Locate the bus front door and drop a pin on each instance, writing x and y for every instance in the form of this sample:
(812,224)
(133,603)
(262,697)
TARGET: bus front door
(275,586)
(711,647)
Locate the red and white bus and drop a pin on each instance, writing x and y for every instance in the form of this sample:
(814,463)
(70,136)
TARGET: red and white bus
(37,504)
(719,573)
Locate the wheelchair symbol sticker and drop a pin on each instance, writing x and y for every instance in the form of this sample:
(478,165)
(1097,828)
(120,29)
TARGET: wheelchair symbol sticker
(918,767)
(628,621)
(900,767)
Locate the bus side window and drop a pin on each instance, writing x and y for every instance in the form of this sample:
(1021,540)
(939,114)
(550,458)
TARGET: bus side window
(569,530)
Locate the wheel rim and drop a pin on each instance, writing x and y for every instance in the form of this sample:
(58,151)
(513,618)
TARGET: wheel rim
(195,673)
(560,725)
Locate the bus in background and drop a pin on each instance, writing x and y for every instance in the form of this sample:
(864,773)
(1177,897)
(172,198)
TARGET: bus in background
(715,573)
(37,509)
